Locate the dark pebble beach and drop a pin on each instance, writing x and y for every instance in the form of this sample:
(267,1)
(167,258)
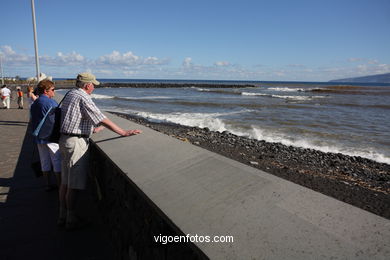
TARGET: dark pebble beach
(358,181)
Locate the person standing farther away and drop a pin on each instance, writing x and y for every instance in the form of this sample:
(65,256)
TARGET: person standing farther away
(20,97)
(49,153)
(6,96)
(31,97)
(80,117)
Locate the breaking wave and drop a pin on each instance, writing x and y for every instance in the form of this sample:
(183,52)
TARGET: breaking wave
(99,96)
(285,89)
(296,98)
(202,120)
(214,122)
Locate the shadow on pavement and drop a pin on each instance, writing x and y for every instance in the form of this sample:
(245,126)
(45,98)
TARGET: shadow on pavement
(14,123)
(28,216)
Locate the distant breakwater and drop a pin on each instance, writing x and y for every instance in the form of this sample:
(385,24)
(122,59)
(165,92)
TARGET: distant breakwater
(161,85)
(174,85)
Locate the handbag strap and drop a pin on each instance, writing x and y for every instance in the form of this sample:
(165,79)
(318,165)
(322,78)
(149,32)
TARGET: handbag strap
(63,98)
(38,129)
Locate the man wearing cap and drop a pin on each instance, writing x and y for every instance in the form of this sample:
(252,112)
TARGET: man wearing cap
(80,117)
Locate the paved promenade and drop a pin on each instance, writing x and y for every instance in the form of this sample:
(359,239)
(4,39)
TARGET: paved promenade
(28,213)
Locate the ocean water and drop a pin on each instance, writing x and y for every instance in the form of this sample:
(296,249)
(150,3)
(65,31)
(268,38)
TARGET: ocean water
(330,117)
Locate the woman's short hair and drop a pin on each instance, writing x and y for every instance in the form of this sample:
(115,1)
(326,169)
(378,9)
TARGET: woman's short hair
(44,85)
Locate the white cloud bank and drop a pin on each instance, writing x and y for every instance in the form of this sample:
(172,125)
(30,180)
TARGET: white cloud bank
(128,59)
(128,64)
(222,63)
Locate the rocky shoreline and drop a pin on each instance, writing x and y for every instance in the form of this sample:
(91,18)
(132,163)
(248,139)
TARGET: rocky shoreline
(358,181)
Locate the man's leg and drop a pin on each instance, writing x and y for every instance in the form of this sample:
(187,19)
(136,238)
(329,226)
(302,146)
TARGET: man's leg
(55,158)
(63,208)
(20,102)
(58,178)
(8,102)
(44,156)
(65,155)
(47,175)
(71,199)
(77,181)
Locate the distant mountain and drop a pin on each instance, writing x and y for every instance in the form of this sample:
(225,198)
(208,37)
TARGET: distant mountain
(379,78)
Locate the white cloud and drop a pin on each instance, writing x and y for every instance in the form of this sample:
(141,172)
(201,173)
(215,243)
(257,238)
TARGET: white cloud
(128,59)
(127,64)
(129,72)
(72,57)
(155,61)
(300,66)
(116,58)
(187,63)
(62,59)
(280,73)
(104,72)
(7,50)
(11,57)
(222,63)
(355,59)
(373,61)
(354,71)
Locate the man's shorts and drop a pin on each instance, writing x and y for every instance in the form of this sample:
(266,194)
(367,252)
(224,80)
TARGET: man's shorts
(49,155)
(75,161)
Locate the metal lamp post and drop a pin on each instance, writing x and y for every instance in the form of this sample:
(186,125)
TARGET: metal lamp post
(35,39)
(1,66)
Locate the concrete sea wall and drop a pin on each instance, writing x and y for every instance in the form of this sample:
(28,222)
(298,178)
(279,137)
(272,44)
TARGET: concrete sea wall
(132,218)
(154,185)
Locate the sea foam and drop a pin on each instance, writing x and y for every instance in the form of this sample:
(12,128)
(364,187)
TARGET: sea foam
(296,98)
(285,89)
(100,96)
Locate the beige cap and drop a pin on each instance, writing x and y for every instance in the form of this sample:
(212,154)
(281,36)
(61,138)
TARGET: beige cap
(87,78)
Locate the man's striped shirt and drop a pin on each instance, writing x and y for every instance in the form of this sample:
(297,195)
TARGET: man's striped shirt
(79,114)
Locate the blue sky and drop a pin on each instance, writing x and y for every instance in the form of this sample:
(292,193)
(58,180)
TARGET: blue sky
(295,40)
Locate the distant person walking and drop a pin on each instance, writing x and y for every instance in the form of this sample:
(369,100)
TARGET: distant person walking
(20,97)
(6,96)
(49,153)
(80,117)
